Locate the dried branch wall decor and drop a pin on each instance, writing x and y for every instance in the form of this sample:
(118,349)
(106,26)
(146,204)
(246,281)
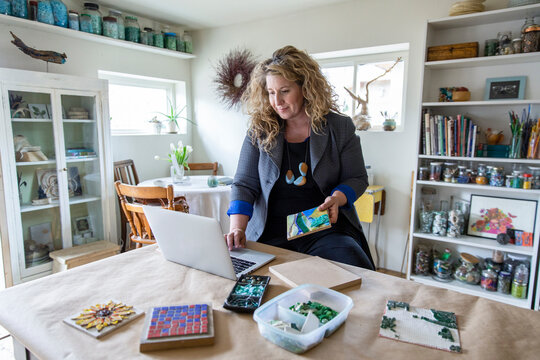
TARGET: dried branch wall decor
(361,121)
(232,75)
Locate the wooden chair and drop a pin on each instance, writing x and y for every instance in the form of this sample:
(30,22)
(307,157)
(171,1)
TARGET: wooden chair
(131,200)
(204,166)
(124,171)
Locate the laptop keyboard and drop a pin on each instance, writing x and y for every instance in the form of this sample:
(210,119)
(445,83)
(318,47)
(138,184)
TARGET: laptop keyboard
(240,265)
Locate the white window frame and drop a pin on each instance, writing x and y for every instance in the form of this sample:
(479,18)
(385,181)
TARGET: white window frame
(176,91)
(355,57)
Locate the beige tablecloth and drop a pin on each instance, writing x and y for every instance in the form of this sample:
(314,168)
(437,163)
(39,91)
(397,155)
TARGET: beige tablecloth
(33,313)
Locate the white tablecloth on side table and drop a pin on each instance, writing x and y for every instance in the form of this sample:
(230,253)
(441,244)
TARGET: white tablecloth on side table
(202,199)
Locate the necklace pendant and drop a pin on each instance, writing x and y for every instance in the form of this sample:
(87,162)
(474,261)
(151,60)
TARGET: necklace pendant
(303,168)
(300,181)
(289,177)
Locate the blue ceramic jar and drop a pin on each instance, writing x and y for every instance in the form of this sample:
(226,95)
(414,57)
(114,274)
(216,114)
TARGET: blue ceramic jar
(44,12)
(5,7)
(19,8)
(60,13)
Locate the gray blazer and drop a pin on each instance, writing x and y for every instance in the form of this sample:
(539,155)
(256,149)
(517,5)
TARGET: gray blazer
(336,159)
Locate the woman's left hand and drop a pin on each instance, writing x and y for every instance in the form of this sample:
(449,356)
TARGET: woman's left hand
(332,204)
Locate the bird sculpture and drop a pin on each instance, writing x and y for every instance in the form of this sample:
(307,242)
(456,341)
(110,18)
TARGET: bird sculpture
(45,55)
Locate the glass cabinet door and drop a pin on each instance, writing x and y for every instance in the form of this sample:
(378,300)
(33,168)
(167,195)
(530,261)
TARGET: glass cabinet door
(81,141)
(35,156)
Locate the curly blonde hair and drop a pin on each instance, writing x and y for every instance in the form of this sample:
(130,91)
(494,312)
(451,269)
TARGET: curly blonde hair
(294,65)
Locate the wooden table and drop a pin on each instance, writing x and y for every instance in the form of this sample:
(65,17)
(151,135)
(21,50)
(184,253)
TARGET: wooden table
(32,312)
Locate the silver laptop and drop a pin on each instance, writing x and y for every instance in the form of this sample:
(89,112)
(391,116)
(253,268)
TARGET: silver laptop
(198,242)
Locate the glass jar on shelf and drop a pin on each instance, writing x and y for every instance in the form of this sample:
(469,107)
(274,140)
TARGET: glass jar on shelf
(132,29)
(92,9)
(19,8)
(32,10)
(188,42)
(520,282)
(110,27)
(44,12)
(488,280)
(463,177)
(143,38)
(73,20)
(516,45)
(119,23)
(517,180)
(149,36)
(505,42)
(468,270)
(60,13)
(442,265)
(422,260)
(450,168)
(5,7)
(497,176)
(423,173)
(527,181)
(159,39)
(85,23)
(504,282)
(481,178)
(170,40)
(535,172)
(180,44)
(435,169)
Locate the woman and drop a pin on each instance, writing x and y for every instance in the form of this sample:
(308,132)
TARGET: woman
(299,153)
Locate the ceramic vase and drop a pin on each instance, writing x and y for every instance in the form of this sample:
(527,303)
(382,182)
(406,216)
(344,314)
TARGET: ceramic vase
(171,126)
(389,125)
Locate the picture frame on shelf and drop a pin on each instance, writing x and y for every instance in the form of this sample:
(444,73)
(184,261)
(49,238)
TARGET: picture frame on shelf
(83,226)
(490,215)
(42,234)
(49,110)
(505,88)
(48,183)
(38,111)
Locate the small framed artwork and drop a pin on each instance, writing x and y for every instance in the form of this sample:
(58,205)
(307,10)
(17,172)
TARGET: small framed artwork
(42,234)
(490,216)
(38,111)
(506,88)
(49,109)
(83,225)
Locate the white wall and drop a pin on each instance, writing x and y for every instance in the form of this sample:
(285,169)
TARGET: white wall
(354,24)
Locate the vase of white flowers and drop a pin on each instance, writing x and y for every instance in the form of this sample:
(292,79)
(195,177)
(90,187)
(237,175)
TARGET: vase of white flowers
(178,157)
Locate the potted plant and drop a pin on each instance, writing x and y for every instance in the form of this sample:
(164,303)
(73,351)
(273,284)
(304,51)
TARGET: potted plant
(389,123)
(156,124)
(172,116)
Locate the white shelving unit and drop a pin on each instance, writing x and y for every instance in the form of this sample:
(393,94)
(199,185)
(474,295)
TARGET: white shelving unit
(472,73)
(41,27)
(82,202)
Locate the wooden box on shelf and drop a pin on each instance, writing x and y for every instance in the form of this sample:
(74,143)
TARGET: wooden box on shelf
(453,51)
(69,258)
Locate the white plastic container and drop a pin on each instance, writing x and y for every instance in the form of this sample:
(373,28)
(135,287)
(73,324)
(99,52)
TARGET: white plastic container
(278,309)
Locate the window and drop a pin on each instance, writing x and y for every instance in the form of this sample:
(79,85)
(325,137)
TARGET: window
(353,69)
(135,100)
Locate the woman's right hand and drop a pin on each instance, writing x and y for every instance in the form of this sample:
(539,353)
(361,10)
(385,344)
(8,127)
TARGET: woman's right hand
(236,238)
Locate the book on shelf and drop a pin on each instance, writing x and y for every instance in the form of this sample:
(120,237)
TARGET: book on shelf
(448,135)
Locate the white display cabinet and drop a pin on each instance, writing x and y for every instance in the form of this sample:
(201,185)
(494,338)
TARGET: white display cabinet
(57,191)
(472,73)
